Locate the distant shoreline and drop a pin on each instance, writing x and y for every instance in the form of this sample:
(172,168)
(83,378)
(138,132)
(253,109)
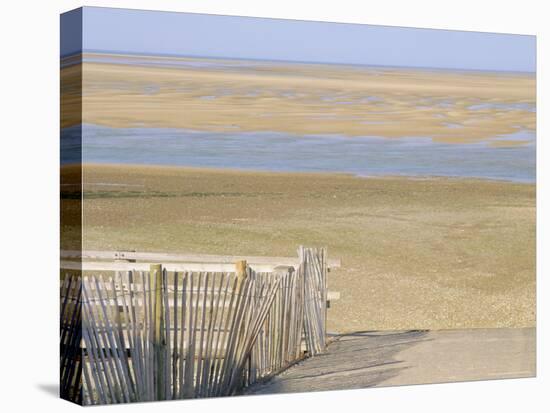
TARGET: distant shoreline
(116,53)
(154,168)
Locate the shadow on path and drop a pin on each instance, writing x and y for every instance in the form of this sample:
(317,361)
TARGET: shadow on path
(354,360)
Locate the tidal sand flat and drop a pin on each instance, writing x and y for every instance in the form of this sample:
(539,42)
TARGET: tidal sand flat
(258,96)
(426,253)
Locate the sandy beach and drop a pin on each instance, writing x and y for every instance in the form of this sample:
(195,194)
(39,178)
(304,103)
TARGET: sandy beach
(221,95)
(426,253)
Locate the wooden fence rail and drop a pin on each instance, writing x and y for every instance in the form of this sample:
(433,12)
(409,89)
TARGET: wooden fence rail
(160,335)
(89,260)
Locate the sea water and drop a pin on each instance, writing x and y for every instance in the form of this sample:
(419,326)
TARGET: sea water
(275,151)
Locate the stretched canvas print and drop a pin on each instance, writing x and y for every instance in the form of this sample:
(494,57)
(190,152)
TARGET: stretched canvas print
(253,206)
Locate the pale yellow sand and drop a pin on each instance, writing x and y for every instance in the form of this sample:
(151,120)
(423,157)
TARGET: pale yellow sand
(416,253)
(308,99)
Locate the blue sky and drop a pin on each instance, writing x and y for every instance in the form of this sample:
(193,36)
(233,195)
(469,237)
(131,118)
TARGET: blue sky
(153,32)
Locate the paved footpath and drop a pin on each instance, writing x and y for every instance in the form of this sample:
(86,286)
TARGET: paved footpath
(372,359)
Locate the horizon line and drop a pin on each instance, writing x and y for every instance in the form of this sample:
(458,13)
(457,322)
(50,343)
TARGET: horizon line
(183,56)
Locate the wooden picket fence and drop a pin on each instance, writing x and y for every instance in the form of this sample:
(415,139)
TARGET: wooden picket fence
(158,335)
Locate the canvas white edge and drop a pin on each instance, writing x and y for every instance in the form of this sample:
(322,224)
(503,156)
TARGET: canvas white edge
(29,229)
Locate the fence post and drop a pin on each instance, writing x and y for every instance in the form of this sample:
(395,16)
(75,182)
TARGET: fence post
(159,342)
(313,264)
(240,269)
(240,272)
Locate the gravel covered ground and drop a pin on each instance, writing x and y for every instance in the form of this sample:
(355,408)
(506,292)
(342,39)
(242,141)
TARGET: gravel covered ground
(416,253)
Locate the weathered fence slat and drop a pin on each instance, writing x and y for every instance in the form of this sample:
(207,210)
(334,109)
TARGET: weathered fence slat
(70,338)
